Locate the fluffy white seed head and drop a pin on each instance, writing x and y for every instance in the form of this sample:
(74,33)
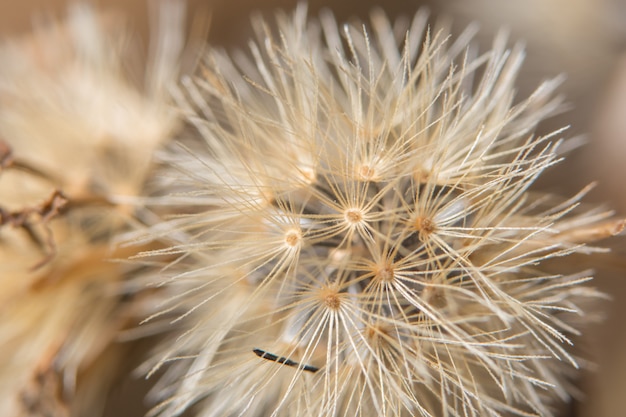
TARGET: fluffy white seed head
(356,200)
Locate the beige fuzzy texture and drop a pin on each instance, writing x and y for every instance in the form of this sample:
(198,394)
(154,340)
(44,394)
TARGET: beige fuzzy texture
(357,200)
(78,140)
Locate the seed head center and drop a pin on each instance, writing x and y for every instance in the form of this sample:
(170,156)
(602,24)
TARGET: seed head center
(385,273)
(331,298)
(353,216)
(293,237)
(366,172)
(424,225)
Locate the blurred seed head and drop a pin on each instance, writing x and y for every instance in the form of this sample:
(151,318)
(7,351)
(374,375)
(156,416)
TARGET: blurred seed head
(77,138)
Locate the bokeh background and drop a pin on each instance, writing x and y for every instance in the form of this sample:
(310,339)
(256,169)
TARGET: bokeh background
(584,39)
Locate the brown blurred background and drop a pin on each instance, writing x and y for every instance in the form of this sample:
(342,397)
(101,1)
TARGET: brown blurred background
(585,39)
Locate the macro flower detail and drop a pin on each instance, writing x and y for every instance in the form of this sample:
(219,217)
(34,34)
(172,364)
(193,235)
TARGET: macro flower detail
(357,235)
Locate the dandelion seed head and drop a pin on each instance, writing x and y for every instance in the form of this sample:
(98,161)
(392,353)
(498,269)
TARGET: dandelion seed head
(358,201)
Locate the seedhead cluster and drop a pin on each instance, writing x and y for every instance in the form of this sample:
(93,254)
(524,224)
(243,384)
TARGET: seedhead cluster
(356,211)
